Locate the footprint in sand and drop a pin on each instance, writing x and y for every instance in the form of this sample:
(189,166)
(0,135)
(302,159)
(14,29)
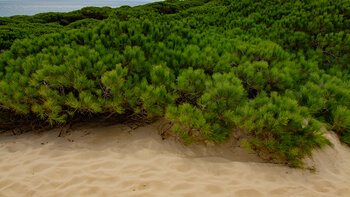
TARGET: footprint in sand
(181,186)
(214,189)
(324,186)
(248,193)
(182,168)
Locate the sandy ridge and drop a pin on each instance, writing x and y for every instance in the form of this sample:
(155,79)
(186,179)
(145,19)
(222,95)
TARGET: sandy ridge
(118,161)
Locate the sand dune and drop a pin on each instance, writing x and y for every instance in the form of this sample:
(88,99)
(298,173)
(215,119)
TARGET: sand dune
(118,161)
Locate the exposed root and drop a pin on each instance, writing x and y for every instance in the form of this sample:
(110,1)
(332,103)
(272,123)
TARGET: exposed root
(165,129)
(64,130)
(18,124)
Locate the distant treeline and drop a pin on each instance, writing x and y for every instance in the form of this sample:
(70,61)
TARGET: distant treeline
(18,27)
(277,70)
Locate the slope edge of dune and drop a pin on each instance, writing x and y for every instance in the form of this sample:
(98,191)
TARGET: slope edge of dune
(118,161)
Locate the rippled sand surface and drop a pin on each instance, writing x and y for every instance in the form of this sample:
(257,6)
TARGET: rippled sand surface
(118,161)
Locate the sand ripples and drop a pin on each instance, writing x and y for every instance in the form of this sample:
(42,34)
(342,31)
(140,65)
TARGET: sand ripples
(115,161)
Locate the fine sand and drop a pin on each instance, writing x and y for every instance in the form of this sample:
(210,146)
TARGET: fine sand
(117,161)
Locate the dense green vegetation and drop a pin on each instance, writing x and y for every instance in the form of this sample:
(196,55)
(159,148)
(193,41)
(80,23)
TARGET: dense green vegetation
(279,70)
(16,27)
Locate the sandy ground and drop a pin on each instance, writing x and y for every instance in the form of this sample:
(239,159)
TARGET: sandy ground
(118,161)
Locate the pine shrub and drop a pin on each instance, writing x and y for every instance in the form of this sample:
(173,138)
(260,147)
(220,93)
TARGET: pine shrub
(277,70)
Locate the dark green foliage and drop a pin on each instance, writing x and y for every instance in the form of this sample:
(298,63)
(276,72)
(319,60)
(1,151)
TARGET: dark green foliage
(17,27)
(212,112)
(278,70)
(280,128)
(191,84)
(190,122)
(341,122)
(11,29)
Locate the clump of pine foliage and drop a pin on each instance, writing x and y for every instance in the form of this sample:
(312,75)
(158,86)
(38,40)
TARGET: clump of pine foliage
(279,70)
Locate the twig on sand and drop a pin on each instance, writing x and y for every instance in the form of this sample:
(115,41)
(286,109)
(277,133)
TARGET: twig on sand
(164,129)
(64,130)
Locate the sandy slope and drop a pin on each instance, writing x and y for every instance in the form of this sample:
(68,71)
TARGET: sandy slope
(115,161)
